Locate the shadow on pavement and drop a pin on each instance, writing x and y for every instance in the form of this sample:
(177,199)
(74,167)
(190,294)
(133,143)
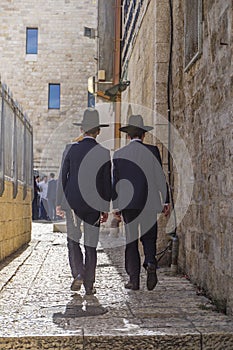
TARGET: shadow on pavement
(80,306)
(13,256)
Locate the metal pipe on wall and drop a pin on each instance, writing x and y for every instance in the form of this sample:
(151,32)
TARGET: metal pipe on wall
(116,71)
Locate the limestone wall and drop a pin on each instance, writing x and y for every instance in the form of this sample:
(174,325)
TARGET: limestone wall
(64,56)
(15,220)
(203,114)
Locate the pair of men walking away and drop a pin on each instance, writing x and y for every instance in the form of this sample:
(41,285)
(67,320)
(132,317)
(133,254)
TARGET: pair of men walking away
(137,188)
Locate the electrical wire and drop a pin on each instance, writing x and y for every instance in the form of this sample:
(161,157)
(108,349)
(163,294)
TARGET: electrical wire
(162,253)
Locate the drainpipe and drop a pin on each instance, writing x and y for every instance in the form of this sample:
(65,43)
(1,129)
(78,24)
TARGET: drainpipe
(116,71)
(174,237)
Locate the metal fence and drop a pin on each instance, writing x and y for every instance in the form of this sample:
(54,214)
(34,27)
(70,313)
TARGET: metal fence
(16,144)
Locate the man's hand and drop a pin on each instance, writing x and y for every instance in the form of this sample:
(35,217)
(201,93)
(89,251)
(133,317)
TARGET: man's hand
(60,212)
(104,217)
(166,209)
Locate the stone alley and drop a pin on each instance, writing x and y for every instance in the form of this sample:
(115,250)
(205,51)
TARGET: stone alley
(158,72)
(38,310)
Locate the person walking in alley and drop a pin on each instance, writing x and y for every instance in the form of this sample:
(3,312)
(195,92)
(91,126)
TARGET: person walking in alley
(73,223)
(73,226)
(35,202)
(138,186)
(43,185)
(51,196)
(86,182)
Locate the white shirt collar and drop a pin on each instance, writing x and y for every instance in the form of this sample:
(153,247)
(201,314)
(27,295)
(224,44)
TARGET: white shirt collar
(136,140)
(89,137)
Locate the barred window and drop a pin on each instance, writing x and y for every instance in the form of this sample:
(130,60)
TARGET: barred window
(28,155)
(192,31)
(130,12)
(1,144)
(20,147)
(16,139)
(8,139)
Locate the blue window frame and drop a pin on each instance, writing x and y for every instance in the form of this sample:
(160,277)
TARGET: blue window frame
(32,41)
(54,96)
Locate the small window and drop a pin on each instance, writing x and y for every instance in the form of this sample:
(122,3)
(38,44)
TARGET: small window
(91,100)
(32,41)
(54,96)
(89,32)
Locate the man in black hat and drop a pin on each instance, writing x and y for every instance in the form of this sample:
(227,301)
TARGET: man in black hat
(86,181)
(139,194)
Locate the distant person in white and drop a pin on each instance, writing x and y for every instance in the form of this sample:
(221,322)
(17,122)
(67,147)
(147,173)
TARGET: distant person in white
(43,197)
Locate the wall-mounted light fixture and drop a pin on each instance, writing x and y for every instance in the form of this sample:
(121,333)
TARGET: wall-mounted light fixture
(113,91)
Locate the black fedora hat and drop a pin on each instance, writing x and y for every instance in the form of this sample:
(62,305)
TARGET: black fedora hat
(91,120)
(136,121)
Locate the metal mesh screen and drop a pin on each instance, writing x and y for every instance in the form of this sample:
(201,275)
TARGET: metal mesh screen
(20,147)
(16,141)
(8,139)
(28,157)
(192,30)
(1,146)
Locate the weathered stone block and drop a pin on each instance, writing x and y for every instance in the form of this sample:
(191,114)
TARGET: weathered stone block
(162,33)
(161,52)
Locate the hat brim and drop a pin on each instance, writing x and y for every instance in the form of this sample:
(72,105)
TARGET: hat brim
(130,127)
(92,127)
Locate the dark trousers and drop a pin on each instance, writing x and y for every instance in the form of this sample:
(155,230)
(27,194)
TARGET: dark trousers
(52,208)
(35,208)
(80,266)
(148,237)
(44,209)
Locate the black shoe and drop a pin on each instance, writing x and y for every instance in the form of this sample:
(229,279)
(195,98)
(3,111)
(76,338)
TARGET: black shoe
(152,278)
(77,283)
(90,291)
(132,286)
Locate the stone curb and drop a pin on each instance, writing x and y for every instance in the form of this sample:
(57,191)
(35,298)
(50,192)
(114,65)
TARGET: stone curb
(38,310)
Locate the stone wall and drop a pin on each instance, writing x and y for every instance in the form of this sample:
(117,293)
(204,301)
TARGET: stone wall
(202,111)
(202,114)
(15,220)
(64,56)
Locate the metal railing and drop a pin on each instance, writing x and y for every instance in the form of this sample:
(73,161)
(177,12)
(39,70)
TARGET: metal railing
(16,144)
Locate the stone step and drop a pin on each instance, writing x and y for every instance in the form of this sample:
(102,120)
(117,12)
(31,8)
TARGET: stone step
(183,341)
(60,227)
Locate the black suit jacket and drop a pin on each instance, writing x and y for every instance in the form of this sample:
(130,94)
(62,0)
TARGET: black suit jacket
(86,177)
(52,189)
(60,195)
(140,165)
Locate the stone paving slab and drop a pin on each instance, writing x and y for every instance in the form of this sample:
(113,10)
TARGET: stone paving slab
(38,310)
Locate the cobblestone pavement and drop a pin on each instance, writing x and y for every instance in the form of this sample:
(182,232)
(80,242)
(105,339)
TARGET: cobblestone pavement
(38,310)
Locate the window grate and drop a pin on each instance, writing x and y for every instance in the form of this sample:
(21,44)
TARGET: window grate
(130,26)
(192,29)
